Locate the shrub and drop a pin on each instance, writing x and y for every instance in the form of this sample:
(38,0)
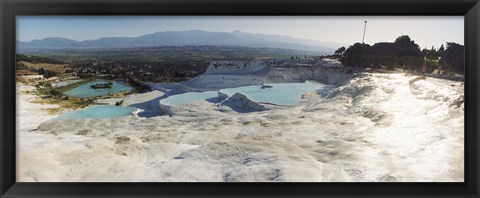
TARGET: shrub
(55,92)
(48,74)
(403,39)
(430,65)
(19,66)
(339,51)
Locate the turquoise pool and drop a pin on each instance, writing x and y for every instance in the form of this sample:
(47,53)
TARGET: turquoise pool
(188,98)
(85,91)
(287,94)
(99,111)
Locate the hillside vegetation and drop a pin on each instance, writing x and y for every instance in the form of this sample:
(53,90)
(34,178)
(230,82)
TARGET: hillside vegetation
(404,54)
(58,68)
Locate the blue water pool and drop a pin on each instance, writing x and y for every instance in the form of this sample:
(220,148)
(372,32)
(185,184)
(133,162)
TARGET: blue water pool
(86,91)
(188,97)
(287,94)
(99,111)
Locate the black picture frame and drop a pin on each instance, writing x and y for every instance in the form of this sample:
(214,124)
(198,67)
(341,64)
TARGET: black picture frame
(470,9)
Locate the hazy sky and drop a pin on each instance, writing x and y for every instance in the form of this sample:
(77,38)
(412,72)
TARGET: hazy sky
(425,30)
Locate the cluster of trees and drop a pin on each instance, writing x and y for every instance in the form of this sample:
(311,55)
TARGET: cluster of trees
(20,66)
(41,71)
(405,54)
(46,73)
(339,51)
(296,57)
(55,92)
(433,53)
(453,59)
(36,59)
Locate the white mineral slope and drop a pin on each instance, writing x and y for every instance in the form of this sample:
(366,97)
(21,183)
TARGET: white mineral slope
(134,99)
(377,127)
(30,114)
(228,74)
(147,103)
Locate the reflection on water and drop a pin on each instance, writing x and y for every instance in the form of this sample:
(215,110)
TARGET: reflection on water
(287,94)
(86,91)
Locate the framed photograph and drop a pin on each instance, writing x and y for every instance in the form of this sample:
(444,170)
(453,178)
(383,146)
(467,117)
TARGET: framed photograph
(239,98)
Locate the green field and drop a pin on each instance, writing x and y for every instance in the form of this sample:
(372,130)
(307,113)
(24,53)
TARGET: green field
(178,54)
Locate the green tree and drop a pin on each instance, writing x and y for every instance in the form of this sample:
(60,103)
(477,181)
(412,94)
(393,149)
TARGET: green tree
(49,74)
(425,52)
(19,66)
(352,57)
(430,65)
(41,71)
(453,58)
(403,39)
(441,50)
(55,92)
(340,50)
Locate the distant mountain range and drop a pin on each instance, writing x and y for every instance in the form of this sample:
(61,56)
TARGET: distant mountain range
(192,37)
